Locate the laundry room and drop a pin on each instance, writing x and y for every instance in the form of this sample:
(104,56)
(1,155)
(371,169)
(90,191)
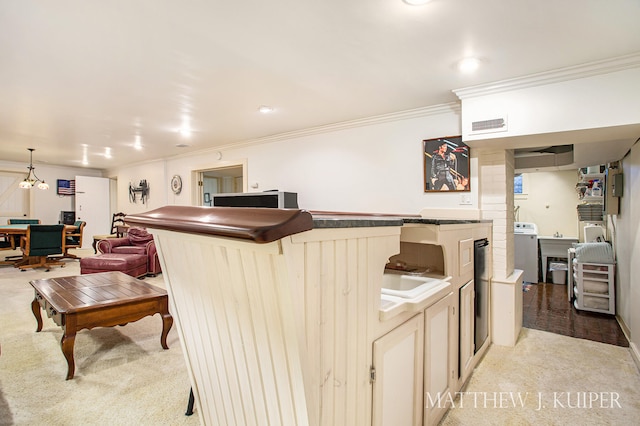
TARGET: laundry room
(564,221)
(550,216)
(549,200)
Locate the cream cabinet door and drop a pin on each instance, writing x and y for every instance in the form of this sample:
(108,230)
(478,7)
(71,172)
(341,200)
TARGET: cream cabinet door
(465,256)
(466,336)
(439,346)
(397,375)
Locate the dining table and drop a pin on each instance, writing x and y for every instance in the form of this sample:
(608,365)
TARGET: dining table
(21,229)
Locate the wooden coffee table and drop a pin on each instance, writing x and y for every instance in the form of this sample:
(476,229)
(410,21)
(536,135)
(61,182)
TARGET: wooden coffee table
(105,299)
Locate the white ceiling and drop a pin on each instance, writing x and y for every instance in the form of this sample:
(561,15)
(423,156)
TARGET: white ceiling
(77,76)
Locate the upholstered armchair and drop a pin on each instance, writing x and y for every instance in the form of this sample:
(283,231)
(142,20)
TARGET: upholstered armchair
(137,241)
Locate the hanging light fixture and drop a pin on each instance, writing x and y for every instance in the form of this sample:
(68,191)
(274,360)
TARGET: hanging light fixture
(31,178)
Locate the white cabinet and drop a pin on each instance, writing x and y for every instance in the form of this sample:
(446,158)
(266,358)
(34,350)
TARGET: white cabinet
(397,375)
(466,333)
(594,288)
(439,357)
(465,256)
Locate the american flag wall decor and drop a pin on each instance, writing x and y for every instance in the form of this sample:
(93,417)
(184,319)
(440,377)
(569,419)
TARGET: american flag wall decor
(66,187)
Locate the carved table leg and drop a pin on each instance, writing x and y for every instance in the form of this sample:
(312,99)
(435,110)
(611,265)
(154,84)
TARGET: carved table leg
(167,322)
(35,308)
(67,343)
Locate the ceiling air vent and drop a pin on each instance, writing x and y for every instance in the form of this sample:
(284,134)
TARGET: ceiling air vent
(492,125)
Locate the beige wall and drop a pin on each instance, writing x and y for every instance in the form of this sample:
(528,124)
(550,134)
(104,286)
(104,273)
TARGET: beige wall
(550,202)
(627,239)
(157,180)
(373,166)
(47,205)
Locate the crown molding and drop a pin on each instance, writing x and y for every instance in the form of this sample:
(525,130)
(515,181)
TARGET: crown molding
(453,107)
(555,76)
(448,108)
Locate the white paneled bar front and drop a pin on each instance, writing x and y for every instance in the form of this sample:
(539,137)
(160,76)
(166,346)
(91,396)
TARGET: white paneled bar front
(280,332)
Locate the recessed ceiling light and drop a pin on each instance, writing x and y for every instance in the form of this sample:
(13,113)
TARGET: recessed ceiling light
(416,2)
(265,109)
(185,127)
(138,143)
(468,65)
(182,145)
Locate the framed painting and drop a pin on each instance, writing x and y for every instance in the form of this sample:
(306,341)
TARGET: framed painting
(446,164)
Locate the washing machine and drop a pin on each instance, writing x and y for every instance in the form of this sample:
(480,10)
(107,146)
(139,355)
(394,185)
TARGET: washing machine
(526,250)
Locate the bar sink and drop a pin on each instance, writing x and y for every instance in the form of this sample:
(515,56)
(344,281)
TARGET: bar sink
(408,286)
(410,293)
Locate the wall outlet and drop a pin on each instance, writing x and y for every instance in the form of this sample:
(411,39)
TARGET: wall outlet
(465,199)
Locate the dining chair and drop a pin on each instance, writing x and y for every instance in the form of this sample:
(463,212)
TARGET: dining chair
(16,238)
(23,221)
(116,219)
(6,243)
(40,242)
(73,239)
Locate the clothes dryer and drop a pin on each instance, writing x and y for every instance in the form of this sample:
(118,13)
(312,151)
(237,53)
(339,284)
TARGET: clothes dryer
(526,250)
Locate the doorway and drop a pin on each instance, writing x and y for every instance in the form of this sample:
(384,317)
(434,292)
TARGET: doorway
(14,202)
(227,179)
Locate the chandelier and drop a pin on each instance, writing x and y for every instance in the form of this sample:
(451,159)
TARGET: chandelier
(31,178)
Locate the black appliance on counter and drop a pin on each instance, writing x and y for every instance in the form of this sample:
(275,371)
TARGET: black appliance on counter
(481,286)
(67,218)
(271,199)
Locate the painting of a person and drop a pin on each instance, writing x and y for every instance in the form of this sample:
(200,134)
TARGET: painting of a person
(446,164)
(462,184)
(442,166)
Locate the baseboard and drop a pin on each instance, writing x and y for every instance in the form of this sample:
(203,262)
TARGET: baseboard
(635,354)
(633,349)
(624,327)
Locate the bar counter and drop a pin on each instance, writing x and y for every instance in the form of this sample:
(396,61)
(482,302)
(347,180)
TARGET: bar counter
(276,309)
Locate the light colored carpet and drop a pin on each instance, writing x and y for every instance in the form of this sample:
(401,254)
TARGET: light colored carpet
(553,380)
(122,377)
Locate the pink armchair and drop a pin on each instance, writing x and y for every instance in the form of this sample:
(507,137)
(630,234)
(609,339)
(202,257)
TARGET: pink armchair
(137,241)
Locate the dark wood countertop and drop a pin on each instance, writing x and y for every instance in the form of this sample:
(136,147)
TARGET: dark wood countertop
(262,225)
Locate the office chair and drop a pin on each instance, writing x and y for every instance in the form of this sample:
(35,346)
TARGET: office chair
(40,242)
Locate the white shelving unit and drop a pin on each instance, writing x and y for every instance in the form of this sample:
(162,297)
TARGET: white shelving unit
(571,255)
(591,205)
(594,288)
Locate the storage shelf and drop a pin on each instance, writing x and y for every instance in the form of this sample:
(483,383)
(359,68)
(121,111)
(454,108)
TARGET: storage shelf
(593,199)
(594,288)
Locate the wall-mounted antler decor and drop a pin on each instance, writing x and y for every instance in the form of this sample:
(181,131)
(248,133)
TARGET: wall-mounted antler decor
(143,189)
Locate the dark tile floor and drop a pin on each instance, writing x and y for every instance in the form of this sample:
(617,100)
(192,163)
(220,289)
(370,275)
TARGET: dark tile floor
(546,307)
